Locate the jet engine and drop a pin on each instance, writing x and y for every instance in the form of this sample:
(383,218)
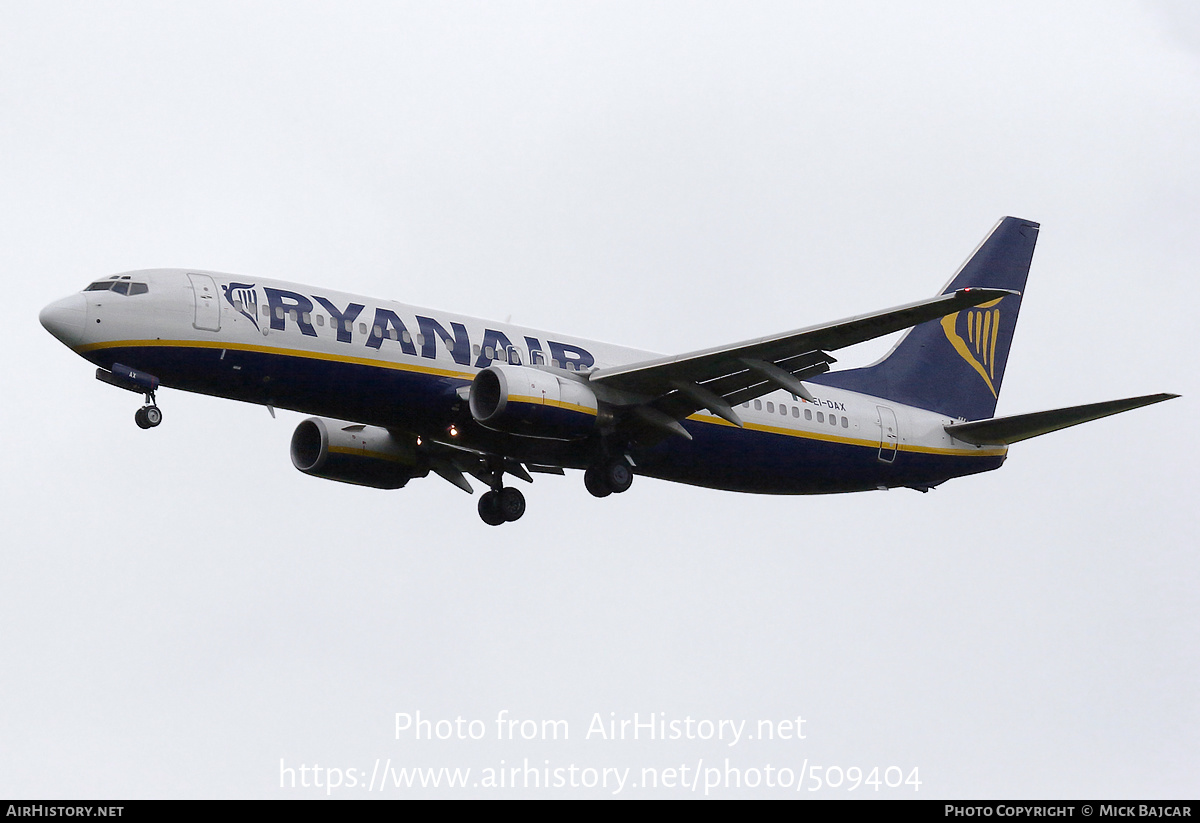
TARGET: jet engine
(532,402)
(353,453)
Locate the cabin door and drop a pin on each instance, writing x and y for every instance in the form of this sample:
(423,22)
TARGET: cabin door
(889,434)
(208,307)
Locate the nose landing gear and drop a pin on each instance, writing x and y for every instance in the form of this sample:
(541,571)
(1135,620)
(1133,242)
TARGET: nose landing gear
(124,377)
(148,416)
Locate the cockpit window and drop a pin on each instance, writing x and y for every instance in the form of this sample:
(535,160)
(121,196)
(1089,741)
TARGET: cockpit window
(119,284)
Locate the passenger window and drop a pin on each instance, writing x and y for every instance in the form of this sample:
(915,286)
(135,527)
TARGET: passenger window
(783,409)
(770,407)
(307,318)
(475,349)
(833,419)
(808,414)
(758,405)
(406,337)
(376,331)
(820,417)
(489,352)
(393,334)
(292,315)
(845,423)
(362,328)
(266,312)
(795,411)
(320,320)
(279,312)
(421,340)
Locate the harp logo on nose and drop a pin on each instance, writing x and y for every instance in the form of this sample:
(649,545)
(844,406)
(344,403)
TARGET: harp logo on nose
(974,333)
(244,298)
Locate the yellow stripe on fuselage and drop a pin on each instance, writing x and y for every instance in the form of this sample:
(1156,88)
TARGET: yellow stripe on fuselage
(850,441)
(305,353)
(409,367)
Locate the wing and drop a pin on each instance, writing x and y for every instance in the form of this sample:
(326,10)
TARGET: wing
(661,392)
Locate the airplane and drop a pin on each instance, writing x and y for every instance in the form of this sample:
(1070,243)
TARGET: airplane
(397,392)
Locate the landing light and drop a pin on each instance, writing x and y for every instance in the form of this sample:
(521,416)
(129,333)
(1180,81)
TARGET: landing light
(454,431)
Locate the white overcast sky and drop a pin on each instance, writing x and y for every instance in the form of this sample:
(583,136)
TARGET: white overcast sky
(180,609)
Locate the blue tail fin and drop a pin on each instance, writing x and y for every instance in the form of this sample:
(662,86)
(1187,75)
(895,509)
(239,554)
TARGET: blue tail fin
(955,365)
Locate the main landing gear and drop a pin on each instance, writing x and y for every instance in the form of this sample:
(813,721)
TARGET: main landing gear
(502,505)
(613,476)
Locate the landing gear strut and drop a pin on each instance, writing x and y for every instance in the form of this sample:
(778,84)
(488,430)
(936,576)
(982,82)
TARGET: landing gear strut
(613,476)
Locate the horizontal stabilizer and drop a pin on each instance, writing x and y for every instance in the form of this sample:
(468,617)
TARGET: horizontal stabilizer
(1001,431)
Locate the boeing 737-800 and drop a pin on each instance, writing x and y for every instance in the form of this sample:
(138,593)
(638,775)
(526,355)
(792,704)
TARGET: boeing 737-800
(398,392)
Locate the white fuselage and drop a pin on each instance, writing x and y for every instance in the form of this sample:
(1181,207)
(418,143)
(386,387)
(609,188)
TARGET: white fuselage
(321,352)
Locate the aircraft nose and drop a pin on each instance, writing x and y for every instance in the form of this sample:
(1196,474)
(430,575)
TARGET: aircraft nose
(65,318)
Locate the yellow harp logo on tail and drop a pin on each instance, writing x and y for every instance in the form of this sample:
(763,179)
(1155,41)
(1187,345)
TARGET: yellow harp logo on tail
(981,326)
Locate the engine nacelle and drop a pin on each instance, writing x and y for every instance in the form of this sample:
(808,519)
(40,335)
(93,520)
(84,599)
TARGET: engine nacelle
(352,453)
(532,402)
